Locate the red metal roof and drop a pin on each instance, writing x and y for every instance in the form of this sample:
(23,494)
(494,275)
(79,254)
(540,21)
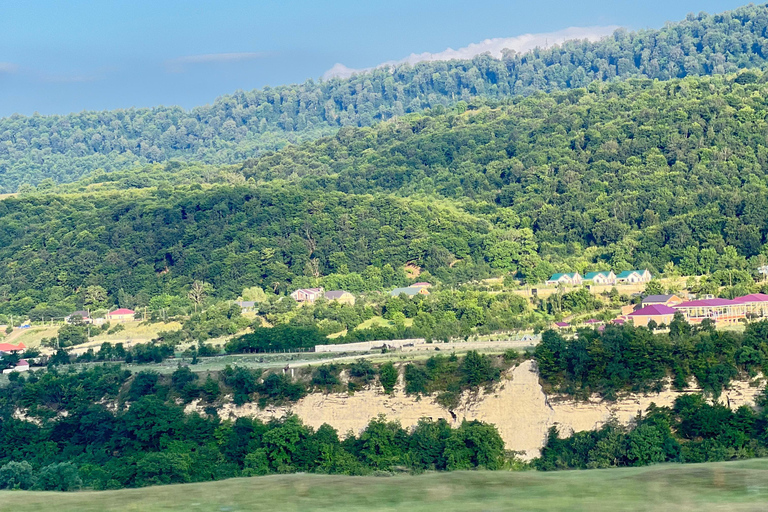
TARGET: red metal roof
(123,311)
(654,310)
(754,297)
(7,347)
(706,303)
(22,362)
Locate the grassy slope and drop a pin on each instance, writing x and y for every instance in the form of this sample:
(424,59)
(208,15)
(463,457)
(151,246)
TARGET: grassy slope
(738,486)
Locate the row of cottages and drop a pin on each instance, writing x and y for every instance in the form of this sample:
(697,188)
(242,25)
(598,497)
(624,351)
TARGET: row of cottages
(7,349)
(311,295)
(601,278)
(411,291)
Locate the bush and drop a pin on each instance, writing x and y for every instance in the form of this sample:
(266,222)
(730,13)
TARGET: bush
(58,477)
(388,377)
(16,475)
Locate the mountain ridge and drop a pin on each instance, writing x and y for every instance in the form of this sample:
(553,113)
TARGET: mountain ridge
(242,125)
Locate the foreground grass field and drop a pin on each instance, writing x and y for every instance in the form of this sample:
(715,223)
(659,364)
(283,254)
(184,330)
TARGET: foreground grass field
(732,486)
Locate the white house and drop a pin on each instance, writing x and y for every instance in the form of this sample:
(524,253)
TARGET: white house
(634,276)
(572,278)
(607,278)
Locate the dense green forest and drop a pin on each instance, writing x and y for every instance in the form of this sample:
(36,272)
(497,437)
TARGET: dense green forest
(648,172)
(627,359)
(138,244)
(638,174)
(239,126)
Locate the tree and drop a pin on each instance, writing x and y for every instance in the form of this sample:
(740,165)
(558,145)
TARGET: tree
(654,287)
(95,297)
(62,476)
(474,445)
(198,292)
(388,377)
(16,475)
(645,445)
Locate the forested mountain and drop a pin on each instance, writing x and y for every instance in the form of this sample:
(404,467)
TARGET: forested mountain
(239,126)
(637,174)
(140,243)
(647,172)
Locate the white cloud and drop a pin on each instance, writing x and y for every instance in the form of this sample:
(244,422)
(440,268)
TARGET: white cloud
(8,67)
(177,65)
(494,46)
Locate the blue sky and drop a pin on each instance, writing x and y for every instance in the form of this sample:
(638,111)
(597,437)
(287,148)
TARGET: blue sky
(67,56)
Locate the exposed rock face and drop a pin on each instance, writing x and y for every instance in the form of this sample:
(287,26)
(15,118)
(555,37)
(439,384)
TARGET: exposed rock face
(517,406)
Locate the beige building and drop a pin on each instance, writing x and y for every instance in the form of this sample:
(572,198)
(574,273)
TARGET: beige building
(659,313)
(340,296)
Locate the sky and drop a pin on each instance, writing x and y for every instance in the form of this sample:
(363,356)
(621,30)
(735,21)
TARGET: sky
(62,56)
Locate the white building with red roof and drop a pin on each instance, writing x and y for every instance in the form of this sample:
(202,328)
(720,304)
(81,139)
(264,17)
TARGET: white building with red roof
(9,348)
(121,315)
(21,366)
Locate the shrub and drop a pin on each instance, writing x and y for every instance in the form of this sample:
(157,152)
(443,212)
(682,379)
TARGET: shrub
(16,475)
(388,377)
(58,477)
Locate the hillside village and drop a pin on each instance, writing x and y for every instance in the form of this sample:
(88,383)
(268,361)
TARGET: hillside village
(640,307)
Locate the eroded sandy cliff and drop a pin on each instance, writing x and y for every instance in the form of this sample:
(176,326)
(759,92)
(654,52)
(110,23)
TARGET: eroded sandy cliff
(517,406)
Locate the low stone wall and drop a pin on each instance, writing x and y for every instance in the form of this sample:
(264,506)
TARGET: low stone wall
(365,346)
(418,344)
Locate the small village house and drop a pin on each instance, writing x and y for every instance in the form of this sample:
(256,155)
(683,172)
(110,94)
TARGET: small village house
(421,285)
(121,315)
(8,348)
(666,300)
(246,306)
(21,366)
(634,277)
(659,313)
(409,291)
(80,316)
(603,278)
(341,296)
(309,295)
(572,278)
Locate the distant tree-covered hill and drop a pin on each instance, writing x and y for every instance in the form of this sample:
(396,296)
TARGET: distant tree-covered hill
(241,125)
(634,174)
